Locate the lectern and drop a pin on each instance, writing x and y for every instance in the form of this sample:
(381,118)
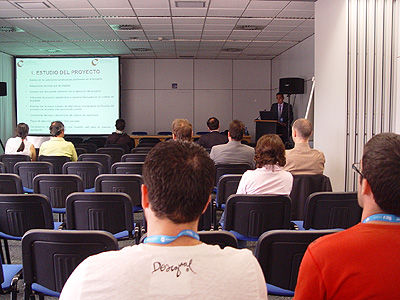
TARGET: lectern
(265,127)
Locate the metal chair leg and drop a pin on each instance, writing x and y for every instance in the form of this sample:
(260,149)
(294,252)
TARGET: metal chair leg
(7,250)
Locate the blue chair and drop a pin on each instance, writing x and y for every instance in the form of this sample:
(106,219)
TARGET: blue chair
(27,170)
(9,276)
(249,216)
(164,133)
(279,253)
(50,256)
(139,133)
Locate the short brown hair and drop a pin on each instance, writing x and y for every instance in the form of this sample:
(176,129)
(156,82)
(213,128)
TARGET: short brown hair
(179,177)
(381,168)
(182,129)
(270,151)
(120,124)
(236,130)
(303,127)
(213,123)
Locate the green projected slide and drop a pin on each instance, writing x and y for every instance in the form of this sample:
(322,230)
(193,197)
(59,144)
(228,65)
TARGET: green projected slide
(83,93)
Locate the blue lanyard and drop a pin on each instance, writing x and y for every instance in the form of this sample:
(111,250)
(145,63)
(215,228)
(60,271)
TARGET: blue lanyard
(166,239)
(383,217)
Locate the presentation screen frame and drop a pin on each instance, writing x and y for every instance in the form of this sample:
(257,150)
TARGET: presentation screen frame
(67,57)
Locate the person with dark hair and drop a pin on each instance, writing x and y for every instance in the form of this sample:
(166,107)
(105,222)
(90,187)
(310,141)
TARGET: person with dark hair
(172,263)
(269,176)
(57,146)
(234,152)
(182,130)
(302,159)
(362,262)
(19,143)
(120,137)
(213,137)
(284,114)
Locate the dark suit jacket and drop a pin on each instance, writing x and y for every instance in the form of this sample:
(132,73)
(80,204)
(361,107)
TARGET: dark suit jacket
(121,139)
(211,139)
(284,116)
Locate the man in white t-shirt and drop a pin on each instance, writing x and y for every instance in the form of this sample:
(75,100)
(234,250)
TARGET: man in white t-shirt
(172,263)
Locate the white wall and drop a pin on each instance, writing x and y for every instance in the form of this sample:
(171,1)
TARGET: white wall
(296,62)
(331,87)
(397,72)
(7,109)
(226,89)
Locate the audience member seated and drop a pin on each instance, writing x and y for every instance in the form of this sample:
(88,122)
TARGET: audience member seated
(302,159)
(171,263)
(234,152)
(182,130)
(120,137)
(19,144)
(362,262)
(213,137)
(57,146)
(269,176)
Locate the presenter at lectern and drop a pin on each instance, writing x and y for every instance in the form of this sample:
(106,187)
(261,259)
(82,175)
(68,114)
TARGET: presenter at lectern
(284,114)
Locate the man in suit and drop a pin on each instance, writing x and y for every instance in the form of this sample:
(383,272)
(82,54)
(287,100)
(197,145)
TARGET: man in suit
(214,137)
(284,114)
(234,152)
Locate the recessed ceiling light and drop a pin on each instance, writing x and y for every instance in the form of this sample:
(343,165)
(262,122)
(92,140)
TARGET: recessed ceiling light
(10,29)
(232,50)
(32,5)
(190,4)
(126,27)
(140,49)
(249,27)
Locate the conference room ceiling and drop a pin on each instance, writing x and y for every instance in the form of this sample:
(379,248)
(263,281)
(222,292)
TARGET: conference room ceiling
(223,29)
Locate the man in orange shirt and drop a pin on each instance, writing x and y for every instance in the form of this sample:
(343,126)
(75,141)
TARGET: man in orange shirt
(362,262)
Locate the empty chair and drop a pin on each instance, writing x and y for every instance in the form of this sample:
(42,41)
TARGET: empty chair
(122,183)
(127,168)
(111,212)
(220,238)
(141,150)
(115,153)
(304,186)
(134,157)
(139,133)
(27,170)
(104,159)
(248,216)
(73,139)
(20,213)
(90,147)
(57,187)
(99,141)
(164,133)
(124,147)
(202,132)
(10,184)
(207,220)
(80,151)
(49,257)
(9,275)
(149,142)
(223,169)
(227,185)
(2,168)
(56,161)
(279,253)
(9,160)
(87,170)
(329,210)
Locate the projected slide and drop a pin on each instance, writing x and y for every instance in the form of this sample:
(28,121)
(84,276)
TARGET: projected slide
(83,93)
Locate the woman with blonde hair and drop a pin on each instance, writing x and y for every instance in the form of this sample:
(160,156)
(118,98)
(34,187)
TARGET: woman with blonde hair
(19,144)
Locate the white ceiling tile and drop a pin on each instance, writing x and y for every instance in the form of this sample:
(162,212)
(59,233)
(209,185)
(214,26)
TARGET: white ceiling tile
(222,27)
(88,12)
(194,27)
(6,5)
(286,22)
(229,4)
(214,37)
(296,36)
(116,12)
(222,12)
(152,12)
(126,35)
(155,20)
(221,21)
(280,28)
(261,44)
(261,13)
(188,20)
(70,4)
(44,12)
(244,34)
(156,27)
(254,21)
(192,12)
(268,4)
(301,5)
(57,22)
(12,13)
(308,23)
(150,3)
(217,32)
(234,44)
(110,4)
(122,21)
(289,13)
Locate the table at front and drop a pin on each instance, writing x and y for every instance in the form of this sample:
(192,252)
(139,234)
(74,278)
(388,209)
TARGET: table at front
(136,138)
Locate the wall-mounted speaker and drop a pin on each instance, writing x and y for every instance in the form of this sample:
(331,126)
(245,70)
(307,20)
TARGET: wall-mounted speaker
(3,89)
(291,85)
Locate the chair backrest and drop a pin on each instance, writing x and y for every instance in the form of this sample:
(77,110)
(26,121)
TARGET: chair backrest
(220,238)
(252,215)
(164,133)
(111,212)
(57,187)
(223,169)
(27,170)
(139,133)
(10,184)
(104,159)
(280,252)
(124,147)
(304,186)
(227,185)
(141,150)
(56,161)
(99,141)
(149,141)
(9,160)
(207,219)
(73,139)
(50,256)
(2,168)
(115,153)
(22,212)
(127,168)
(90,147)
(329,210)
(134,157)
(87,170)
(121,183)
(80,151)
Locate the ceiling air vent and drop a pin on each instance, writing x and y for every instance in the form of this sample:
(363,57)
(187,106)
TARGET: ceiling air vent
(232,50)
(190,4)
(140,49)
(10,29)
(249,27)
(126,27)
